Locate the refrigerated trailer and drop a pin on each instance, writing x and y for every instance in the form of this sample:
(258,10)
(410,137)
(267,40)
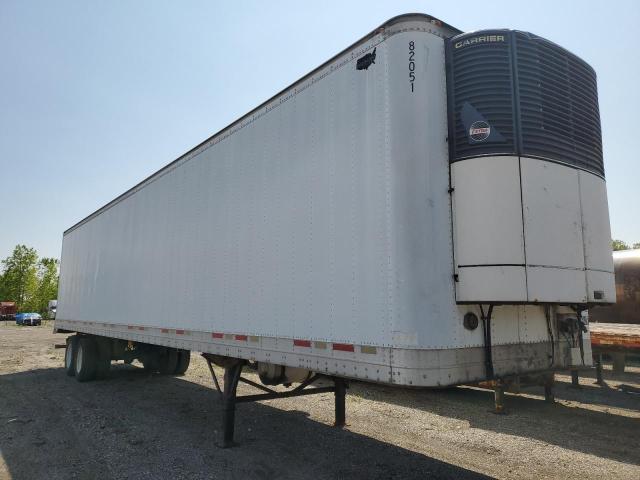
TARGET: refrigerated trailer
(427,208)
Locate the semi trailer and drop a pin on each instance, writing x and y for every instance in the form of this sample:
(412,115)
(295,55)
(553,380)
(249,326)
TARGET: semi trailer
(427,208)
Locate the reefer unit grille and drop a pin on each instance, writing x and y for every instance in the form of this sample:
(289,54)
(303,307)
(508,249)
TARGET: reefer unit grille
(482,85)
(516,93)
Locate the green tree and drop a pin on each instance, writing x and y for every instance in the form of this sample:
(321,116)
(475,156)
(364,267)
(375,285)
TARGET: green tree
(619,245)
(20,275)
(47,288)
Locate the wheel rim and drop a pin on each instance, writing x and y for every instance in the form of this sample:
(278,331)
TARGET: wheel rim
(68,357)
(79,356)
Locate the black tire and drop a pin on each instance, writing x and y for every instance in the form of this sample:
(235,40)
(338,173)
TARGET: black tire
(86,359)
(184,358)
(168,361)
(103,364)
(151,361)
(70,355)
(103,367)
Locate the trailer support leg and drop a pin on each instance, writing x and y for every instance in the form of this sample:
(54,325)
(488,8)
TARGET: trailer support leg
(619,362)
(340,394)
(599,379)
(228,393)
(549,382)
(575,378)
(231,378)
(498,396)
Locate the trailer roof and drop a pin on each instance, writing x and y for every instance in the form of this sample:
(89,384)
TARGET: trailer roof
(397,19)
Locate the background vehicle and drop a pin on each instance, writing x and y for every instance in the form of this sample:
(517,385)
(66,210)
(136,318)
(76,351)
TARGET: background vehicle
(403,214)
(31,318)
(52,307)
(7,310)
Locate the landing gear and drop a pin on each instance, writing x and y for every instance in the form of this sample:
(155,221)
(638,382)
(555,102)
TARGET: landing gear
(228,393)
(619,362)
(498,397)
(575,378)
(598,362)
(231,378)
(549,383)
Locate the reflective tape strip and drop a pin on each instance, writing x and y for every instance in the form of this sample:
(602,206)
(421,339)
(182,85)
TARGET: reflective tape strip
(302,343)
(368,349)
(179,332)
(217,335)
(241,338)
(140,328)
(165,330)
(129,327)
(343,347)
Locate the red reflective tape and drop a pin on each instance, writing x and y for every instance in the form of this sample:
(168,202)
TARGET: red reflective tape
(241,338)
(129,327)
(140,328)
(343,347)
(301,343)
(179,332)
(217,335)
(164,330)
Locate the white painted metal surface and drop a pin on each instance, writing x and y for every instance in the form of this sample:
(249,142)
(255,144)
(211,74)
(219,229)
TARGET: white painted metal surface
(316,232)
(488,233)
(530,230)
(326,218)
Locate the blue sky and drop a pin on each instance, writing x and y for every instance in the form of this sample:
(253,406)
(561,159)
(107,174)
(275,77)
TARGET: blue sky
(95,96)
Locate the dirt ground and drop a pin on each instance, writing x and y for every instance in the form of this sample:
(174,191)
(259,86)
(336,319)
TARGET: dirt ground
(143,426)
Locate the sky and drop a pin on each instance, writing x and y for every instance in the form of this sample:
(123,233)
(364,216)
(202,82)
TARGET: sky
(95,96)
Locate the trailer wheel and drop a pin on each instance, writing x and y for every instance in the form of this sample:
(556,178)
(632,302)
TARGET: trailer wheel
(103,358)
(184,358)
(168,361)
(70,355)
(150,361)
(86,359)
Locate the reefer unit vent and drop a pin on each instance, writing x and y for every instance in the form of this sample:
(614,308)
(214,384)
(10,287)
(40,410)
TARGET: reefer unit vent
(514,93)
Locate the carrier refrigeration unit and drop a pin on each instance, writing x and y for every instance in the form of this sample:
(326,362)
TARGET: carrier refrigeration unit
(427,208)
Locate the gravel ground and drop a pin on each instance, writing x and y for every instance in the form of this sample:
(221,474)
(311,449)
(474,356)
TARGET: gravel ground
(143,426)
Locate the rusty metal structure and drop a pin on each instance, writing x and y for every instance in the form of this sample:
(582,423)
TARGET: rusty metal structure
(627,307)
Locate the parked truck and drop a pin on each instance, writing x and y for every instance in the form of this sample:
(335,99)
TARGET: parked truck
(8,310)
(427,208)
(52,306)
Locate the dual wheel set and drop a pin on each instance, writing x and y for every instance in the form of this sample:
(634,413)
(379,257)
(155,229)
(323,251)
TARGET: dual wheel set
(89,357)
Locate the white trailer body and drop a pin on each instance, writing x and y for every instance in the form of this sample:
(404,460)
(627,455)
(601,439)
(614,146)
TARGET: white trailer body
(328,230)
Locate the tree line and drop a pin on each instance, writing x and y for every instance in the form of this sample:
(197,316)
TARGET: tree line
(28,280)
(621,245)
